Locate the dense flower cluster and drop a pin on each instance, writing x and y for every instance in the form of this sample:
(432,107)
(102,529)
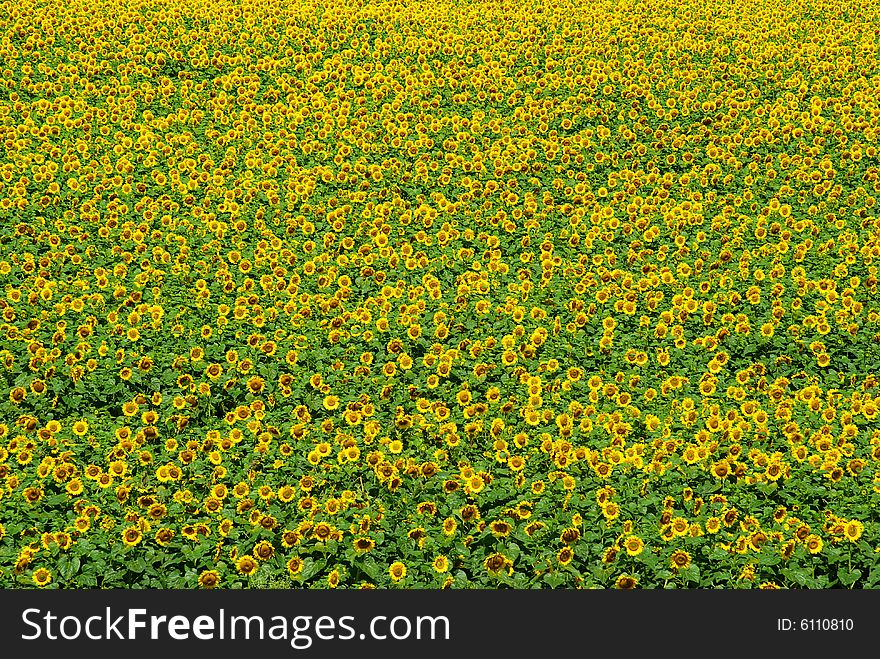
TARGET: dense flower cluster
(439,294)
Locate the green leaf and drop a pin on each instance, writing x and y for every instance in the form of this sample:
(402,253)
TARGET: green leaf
(554,579)
(691,573)
(848,577)
(311,568)
(371,568)
(797,575)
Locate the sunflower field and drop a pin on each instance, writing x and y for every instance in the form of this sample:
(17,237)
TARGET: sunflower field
(439,294)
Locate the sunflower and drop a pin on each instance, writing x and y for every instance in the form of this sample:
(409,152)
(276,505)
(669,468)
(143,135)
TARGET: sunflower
(496,563)
(680,526)
(268,522)
(475,485)
(418,535)
(680,559)
(209,579)
(721,469)
(264,550)
(626,582)
(729,516)
(164,536)
(364,545)
(853,530)
(17,395)
(570,535)
(787,550)
(469,513)
(634,545)
(440,564)
(397,570)
(322,531)
(802,531)
(295,566)
(814,543)
(565,555)
(42,577)
(63,540)
(333,579)
(131,536)
(500,528)
(426,508)
(247,565)
(74,487)
(757,540)
(690,455)
(611,511)
(532,528)
(610,554)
